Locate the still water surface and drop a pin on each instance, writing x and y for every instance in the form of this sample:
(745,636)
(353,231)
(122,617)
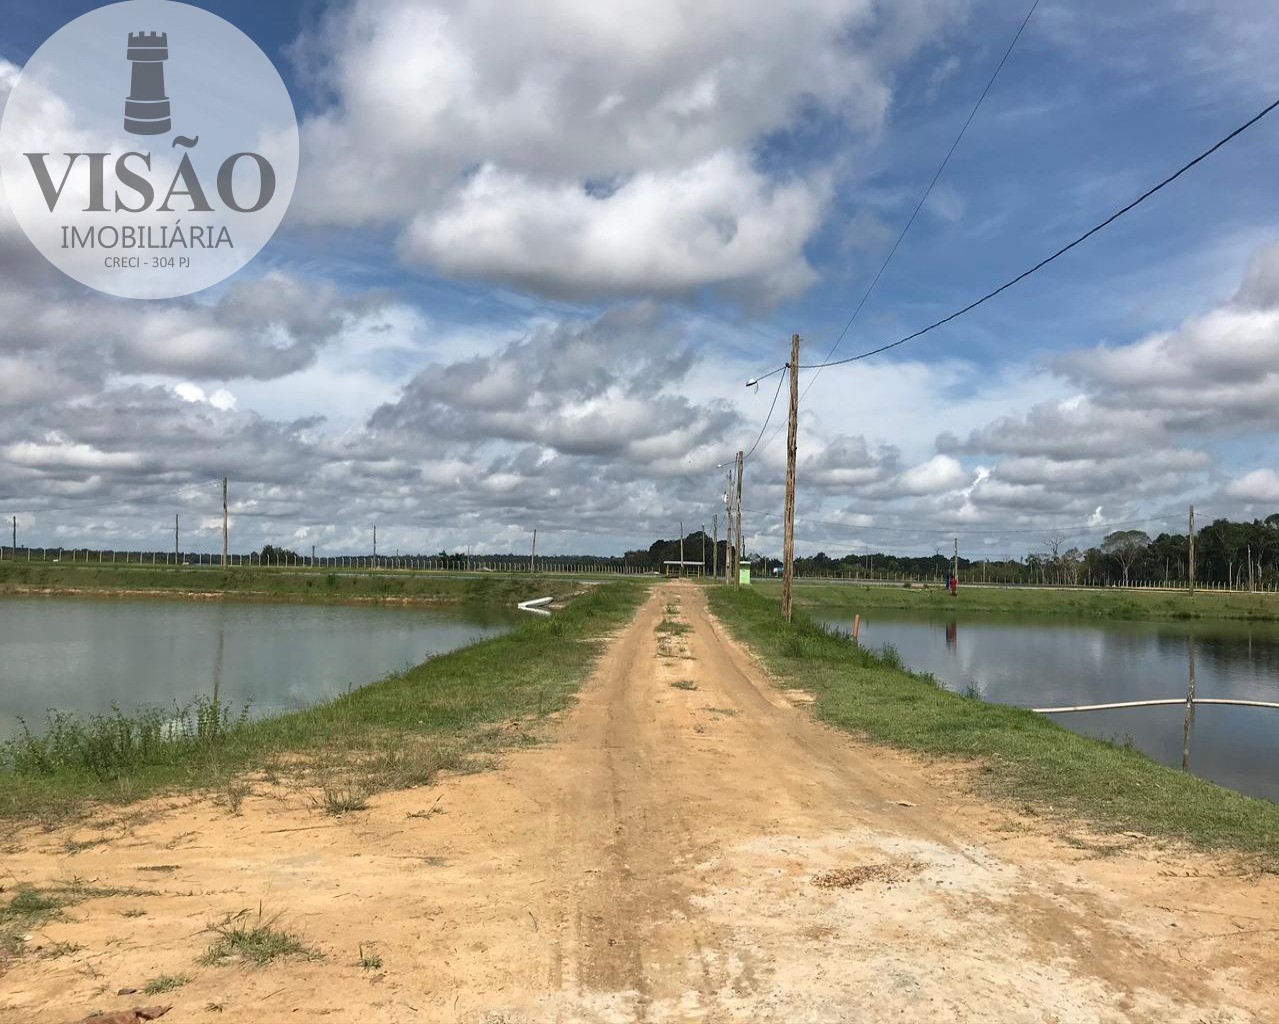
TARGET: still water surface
(1044,662)
(84,654)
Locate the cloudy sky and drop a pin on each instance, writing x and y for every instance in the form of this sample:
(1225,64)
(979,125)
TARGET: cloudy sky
(537,249)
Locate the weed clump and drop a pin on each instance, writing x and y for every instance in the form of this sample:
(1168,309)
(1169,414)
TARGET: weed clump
(257,942)
(110,746)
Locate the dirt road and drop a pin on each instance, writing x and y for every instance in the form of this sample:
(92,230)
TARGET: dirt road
(692,846)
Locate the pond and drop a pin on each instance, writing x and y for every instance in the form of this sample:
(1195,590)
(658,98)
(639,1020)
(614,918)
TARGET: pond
(1043,662)
(84,654)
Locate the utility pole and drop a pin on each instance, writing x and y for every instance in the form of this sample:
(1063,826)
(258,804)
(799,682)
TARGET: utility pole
(1251,585)
(737,532)
(532,558)
(224,524)
(15,538)
(788,520)
(375,545)
(1192,549)
(955,571)
(728,523)
(681,547)
(312,556)
(714,547)
(703,550)
(177,558)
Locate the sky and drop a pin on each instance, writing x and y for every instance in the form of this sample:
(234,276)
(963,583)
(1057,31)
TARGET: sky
(537,250)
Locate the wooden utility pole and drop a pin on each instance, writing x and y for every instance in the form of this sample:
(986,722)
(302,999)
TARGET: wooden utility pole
(788,514)
(740,549)
(703,572)
(177,558)
(375,545)
(224,524)
(714,547)
(955,571)
(681,547)
(15,538)
(1192,549)
(532,558)
(728,523)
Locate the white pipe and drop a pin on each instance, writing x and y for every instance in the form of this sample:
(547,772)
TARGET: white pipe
(1155,703)
(534,606)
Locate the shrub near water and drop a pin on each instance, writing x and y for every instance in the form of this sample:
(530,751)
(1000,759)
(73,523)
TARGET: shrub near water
(111,745)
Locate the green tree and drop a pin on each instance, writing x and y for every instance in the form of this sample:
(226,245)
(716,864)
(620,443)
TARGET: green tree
(1125,547)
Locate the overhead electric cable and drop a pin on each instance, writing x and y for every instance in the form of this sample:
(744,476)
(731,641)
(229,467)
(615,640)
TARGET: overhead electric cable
(928,191)
(914,213)
(780,382)
(1060,252)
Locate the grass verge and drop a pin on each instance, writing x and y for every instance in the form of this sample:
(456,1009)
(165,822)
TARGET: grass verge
(1020,755)
(282,584)
(1080,604)
(392,734)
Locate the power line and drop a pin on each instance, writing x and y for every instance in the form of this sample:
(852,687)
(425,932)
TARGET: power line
(911,220)
(1060,252)
(928,191)
(780,382)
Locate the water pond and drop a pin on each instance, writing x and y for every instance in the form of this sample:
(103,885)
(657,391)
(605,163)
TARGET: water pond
(1045,662)
(84,654)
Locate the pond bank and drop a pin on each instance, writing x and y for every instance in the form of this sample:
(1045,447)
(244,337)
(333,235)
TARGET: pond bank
(1017,754)
(396,732)
(1069,603)
(257,584)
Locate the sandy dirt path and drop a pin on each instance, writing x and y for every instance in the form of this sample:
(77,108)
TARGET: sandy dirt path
(691,846)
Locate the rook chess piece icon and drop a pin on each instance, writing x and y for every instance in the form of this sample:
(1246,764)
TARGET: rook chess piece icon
(146,111)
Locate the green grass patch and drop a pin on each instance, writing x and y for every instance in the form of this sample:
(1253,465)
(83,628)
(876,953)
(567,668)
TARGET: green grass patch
(450,712)
(1081,604)
(165,983)
(254,941)
(31,907)
(1020,755)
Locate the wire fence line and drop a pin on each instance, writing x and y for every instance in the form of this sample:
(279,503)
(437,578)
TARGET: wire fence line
(417,563)
(570,566)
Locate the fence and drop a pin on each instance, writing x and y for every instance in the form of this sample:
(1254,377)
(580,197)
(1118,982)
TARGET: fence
(408,563)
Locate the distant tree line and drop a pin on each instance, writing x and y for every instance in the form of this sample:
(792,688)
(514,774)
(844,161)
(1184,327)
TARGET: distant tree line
(1226,553)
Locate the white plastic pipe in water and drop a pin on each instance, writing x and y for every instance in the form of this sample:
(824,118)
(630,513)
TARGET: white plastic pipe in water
(1156,703)
(535,605)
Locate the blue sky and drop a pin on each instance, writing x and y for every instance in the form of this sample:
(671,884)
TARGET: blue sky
(554,194)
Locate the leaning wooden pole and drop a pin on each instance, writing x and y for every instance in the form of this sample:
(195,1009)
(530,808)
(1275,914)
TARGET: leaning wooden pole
(788,514)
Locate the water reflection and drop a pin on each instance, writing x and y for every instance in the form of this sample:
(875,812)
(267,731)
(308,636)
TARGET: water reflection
(86,654)
(1043,662)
